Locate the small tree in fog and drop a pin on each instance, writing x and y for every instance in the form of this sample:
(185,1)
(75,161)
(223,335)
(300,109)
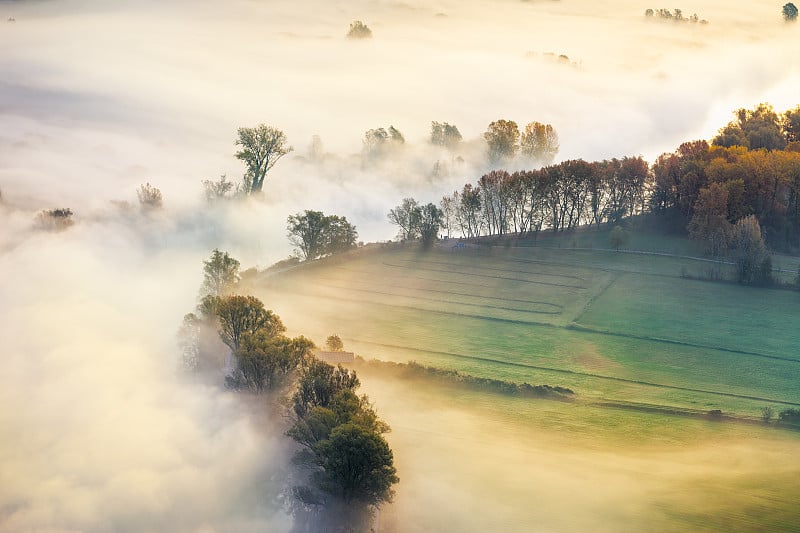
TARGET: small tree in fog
(334,343)
(767,413)
(444,134)
(260,148)
(220,274)
(149,197)
(189,342)
(55,219)
(359,30)
(539,142)
(217,189)
(502,139)
(379,142)
(789,12)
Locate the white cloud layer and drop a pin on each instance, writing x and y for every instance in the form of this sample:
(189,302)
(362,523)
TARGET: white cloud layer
(98,97)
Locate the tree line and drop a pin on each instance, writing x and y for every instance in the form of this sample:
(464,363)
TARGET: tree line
(345,464)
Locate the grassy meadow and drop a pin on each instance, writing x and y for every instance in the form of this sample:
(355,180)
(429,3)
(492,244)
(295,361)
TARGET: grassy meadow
(614,327)
(632,334)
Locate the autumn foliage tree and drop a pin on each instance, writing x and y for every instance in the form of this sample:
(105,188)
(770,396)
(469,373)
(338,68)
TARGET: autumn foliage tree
(539,143)
(502,140)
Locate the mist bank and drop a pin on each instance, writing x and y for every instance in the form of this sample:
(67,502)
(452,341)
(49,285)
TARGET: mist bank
(100,431)
(99,99)
(476,461)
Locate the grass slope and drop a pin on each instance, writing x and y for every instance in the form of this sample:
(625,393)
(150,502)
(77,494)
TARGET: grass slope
(611,326)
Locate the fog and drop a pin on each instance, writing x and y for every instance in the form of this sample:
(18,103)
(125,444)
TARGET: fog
(96,98)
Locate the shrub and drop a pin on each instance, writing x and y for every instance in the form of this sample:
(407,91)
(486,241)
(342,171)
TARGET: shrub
(149,197)
(359,30)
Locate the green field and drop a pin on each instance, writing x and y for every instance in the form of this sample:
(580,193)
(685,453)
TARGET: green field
(647,351)
(612,326)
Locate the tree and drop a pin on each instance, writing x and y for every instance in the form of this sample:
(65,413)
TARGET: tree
(378,142)
(344,408)
(240,316)
(307,232)
(502,137)
(791,125)
(220,274)
(261,148)
(217,190)
(767,413)
(149,197)
(710,221)
(428,220)
(189,342)
(317,235)
(340,235)
(403,216)
(789,12)
(755,128)
(539,142)
(55,219)
(318,384)
(750,254)
(316,151)
(264,359)
(357,465)
(359,30)
(444,134)
(448,207)
(334,343)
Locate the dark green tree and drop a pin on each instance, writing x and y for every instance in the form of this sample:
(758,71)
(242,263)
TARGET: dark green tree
(317,235)
(318,384)
(261,148)
(357,465)
(403,216)
(789,12)
(429,219)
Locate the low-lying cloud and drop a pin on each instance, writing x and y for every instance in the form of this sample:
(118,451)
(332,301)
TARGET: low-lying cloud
(96,98)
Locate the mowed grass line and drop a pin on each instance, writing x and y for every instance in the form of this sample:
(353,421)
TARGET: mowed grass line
(488,276)
(583,374)
(426,331)
(760,322)
(444,301)
(439,291)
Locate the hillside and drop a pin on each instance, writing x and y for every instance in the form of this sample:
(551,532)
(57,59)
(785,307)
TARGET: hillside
(613,326)
(635,339)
